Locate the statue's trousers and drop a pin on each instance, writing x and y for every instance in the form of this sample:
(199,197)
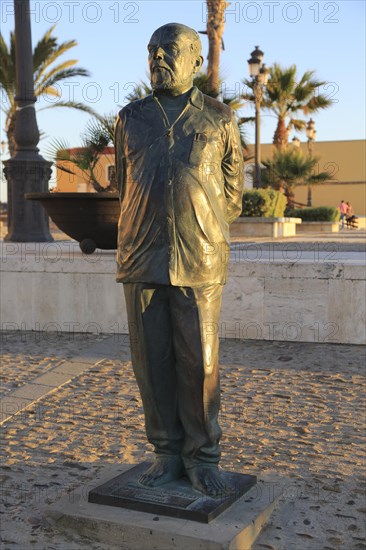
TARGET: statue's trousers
(175,343)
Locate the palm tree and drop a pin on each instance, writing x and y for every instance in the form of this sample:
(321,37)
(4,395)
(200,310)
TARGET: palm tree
(214,30)
(287,97)
(98,134)
(47,74)
(291,167)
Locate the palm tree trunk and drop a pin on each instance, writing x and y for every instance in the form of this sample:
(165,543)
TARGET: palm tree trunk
(290,197)
(12,146)
(95,183)
(215,30)
(282,186)
(280,138)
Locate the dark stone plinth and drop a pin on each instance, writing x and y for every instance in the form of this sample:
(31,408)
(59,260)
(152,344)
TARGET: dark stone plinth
(176,499)
(28,221)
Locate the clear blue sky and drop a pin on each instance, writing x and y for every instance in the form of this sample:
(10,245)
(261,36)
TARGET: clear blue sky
(112,36)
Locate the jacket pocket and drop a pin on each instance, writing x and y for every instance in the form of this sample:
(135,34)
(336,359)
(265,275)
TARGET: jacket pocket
(198,146)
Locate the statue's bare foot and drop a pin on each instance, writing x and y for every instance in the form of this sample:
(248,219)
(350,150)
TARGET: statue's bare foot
(208,480)
(163,470)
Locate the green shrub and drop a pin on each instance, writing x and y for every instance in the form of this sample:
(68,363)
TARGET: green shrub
(263,203)
(319,214)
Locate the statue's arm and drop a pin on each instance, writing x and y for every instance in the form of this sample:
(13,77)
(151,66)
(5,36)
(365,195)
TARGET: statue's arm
(119,157)
(233,170)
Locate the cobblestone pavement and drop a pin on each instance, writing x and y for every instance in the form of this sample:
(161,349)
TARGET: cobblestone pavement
(22,363)
(293,409)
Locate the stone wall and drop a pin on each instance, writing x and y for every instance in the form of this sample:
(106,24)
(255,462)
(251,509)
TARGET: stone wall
(264,227)
(294,296)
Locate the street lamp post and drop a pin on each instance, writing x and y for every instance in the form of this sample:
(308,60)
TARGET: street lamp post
(311,135)
(27,171)
(296,142)
(259,74)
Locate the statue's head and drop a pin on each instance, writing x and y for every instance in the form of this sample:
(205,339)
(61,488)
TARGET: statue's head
(174,58)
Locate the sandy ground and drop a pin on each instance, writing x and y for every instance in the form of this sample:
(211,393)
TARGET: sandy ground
(294,409)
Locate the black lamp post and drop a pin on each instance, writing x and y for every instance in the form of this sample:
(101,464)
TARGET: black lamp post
(311,135)
(259,74)
(27,171)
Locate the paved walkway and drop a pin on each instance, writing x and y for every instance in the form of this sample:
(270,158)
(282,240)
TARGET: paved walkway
(347,240)
(293,409)
(351,239)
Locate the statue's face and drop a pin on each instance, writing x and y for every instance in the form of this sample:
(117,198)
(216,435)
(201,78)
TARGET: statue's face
(172,61)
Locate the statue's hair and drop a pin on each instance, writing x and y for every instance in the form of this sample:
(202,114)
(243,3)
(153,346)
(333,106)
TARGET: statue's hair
(178,29)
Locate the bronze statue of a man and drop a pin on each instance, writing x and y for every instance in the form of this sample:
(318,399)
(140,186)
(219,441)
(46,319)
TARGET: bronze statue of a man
(179,170)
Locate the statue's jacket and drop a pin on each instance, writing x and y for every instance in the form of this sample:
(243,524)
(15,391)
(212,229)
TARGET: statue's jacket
(179,191)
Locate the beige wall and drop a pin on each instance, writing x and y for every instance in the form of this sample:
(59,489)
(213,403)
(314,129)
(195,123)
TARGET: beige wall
(74,182)
(331,195)
(346,160)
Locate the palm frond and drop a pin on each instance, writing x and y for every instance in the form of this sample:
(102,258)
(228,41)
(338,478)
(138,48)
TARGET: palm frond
(297,124)
(46,76)
(245,119)
(44,48)
(141,90)
(58,77)
(321,177)
(53,53)
(98,134)
(287,96)
(291,167)
(58,151)
(61,66)
(316,103)
(71,105)
(233,102)
(6,69)
(49,91)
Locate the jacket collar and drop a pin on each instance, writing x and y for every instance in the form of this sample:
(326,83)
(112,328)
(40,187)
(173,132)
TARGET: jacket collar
(196,98)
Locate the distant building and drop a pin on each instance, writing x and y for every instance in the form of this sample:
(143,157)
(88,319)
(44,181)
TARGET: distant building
(344,159)
(77,181)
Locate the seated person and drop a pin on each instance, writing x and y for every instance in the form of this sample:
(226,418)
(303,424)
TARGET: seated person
(351,219)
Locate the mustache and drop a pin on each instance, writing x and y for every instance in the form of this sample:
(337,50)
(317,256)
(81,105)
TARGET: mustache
(160,66)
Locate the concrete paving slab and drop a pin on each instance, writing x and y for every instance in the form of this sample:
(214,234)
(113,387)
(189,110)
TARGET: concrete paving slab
(72,367)
(236,528)
(97,351)
(9,406)
(27,394)
(88,358)
(32,391)
(53,379)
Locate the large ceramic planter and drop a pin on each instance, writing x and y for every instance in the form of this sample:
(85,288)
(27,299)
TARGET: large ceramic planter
(89,218)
